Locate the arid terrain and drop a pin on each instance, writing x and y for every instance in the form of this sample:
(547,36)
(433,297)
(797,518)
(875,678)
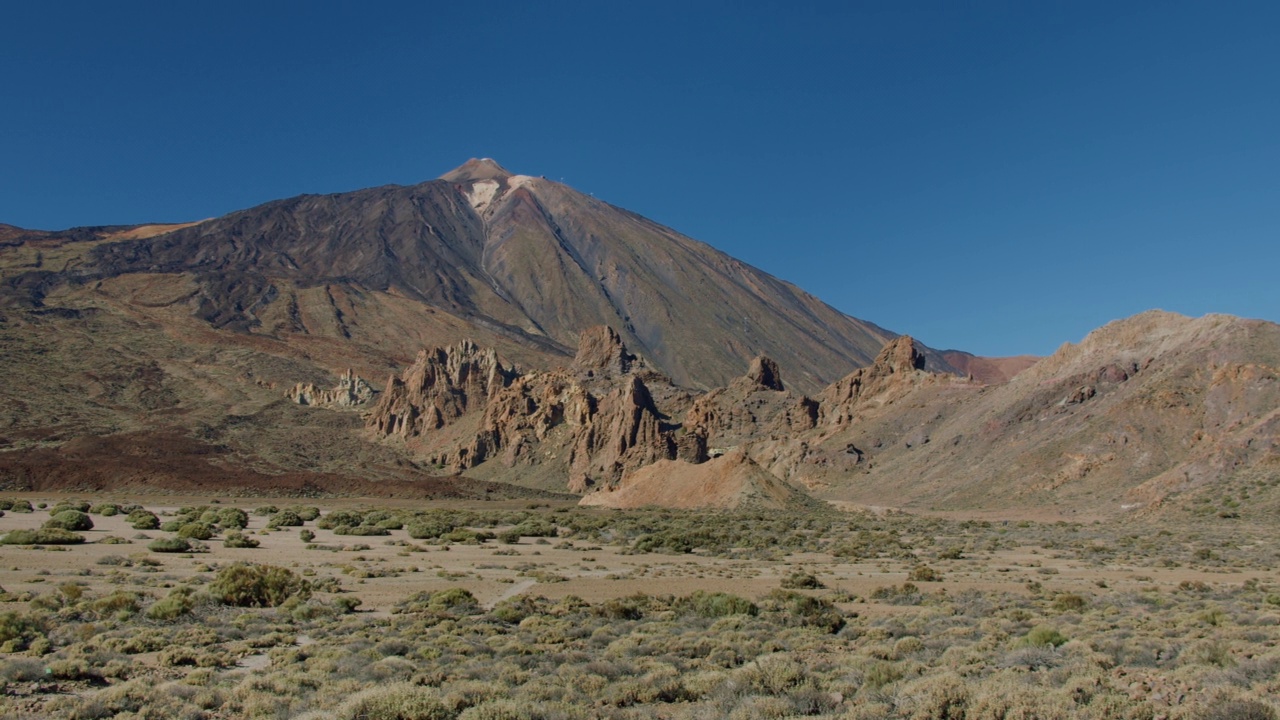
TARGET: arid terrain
(486,447)
(511,609)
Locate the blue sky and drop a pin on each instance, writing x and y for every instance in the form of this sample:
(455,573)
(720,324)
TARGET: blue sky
(999,177)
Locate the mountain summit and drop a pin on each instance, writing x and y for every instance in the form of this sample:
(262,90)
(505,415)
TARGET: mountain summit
(477,169)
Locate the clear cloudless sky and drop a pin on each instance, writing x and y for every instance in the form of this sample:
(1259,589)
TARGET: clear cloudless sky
(999,177)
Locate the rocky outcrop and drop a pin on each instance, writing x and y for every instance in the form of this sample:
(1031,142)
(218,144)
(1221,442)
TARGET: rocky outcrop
(622,431)
(765,374)
(752,407)
(597,417)
(897,365)
(440,386)
(351,391)
(601,351)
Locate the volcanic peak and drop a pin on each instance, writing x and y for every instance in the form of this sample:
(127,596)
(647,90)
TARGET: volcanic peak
(477,169)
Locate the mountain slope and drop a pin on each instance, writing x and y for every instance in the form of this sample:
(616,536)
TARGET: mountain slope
(1144,411)
(530,259)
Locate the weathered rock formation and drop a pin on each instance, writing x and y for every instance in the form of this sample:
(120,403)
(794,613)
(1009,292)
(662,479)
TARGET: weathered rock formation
(351,391)
(601,350)
(597,418)
(895,368)
(1147,408)
(440,386)
(752,407)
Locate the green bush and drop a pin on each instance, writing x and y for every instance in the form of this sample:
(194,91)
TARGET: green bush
(196,531)
(1042,636)
(797,609)
(285,518)
(924,573)
(143,520)
(536,527)
(801,581)
(17,632)
(401,701)
(176,604)
(233,518)
(429,529)
(70,520)
(1070,602)
(105,509)
(43,536)
(169,545)
(454,601)
(21,506)
(347,605)
(718,604)
(467,536)
(250,585)
(306,535)
(237,539)
(306,512)
(360,530)
(338,518)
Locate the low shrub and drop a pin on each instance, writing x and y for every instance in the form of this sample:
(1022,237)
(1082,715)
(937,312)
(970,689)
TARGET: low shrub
(176,604)
(237,539)
(306,512)
(70,520)
(143,520)
(400,701)
(43,536)
(18,631)
(233,518)
(360,530)
(1042,636)
(250,585)
(169,545)
(196,531)
(801,581)
(285,518)
(338,518)
(924,573)
(719,604)
(1069,602)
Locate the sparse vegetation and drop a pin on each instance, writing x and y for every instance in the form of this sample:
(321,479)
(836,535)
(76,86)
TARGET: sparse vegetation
(829,616)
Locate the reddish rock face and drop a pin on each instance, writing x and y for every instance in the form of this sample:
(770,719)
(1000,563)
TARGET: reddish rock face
(600,350)
(897,365)
(765,373)
(351,391)
(440,386)
(602,414)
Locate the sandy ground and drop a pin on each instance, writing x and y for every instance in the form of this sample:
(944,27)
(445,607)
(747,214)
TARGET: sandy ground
(383,571)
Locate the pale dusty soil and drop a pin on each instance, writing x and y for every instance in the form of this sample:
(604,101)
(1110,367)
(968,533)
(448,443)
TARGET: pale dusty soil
(593,572)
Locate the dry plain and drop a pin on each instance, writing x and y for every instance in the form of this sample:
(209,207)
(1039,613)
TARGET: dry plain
(539,609)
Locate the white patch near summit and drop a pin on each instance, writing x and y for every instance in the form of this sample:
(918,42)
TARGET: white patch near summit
(482,192)
(518,181)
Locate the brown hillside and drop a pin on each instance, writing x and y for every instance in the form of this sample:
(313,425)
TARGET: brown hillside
(988,370)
